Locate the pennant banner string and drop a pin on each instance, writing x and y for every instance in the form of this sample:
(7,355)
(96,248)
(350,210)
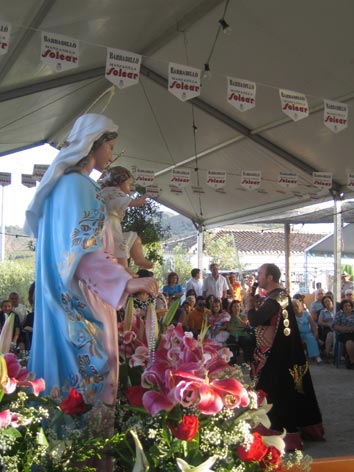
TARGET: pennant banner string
(262,84)
(216,35)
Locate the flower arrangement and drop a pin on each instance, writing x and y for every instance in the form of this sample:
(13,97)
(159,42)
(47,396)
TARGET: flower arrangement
(181,406)
(187,407)
(40,433)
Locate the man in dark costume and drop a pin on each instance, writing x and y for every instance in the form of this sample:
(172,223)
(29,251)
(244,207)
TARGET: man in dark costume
(280,366)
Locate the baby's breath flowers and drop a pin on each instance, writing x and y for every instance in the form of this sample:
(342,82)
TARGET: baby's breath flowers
(190,408)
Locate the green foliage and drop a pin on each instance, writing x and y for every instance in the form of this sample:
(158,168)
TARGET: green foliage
(44,438)
(16,277)
(181,264)
(146,222)
(348,269)
(221,250)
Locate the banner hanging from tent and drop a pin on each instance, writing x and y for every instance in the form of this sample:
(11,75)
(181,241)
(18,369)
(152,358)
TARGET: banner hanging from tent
(59,52)
(176,190)
(39,170)
(5,179)
(183,81)
(350,180)
(288,179)
(181,177)
(152,191)
(241,94)
(294,104)
(122,67)
(216,178)
(335,115)
(322,179)
(5,32)
(251,179)
(144,177)
(28,180)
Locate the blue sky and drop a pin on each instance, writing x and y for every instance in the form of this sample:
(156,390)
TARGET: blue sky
(16,196)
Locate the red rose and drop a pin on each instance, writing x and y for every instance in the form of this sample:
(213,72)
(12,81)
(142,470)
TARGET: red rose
(256,451)
(135,394)
(73,404)
(186,429)
(272,458)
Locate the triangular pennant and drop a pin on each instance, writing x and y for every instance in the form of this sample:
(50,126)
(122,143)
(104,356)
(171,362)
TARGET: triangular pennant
(294,104)
(59,52)
(183,81)
(5,32)
(335,115)
(241,93)
(122,67)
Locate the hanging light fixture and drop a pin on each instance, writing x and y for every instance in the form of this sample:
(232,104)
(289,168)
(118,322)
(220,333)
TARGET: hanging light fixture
(206,72)
(226,28)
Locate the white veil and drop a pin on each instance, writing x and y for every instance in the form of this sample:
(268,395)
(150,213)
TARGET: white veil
(86,130)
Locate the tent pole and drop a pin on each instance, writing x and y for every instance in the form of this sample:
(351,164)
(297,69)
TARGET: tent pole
(237,256)
(337,250)
(307,288)
(200,246)
(287,257)
(2,244)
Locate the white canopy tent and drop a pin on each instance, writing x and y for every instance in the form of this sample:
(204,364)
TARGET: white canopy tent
(278,44)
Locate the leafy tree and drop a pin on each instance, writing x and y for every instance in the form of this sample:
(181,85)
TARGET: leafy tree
(146,222)
(348,269)
(221,250)
(179,264)
(16,277)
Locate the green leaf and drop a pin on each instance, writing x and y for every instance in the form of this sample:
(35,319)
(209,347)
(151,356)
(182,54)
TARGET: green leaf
(14,432)
(41,437)
(167,319)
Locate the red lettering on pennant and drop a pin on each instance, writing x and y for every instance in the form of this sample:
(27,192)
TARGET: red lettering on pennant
(240,98)
(289,106)
(122,73)
(183,86)
(333,119)
(59,56)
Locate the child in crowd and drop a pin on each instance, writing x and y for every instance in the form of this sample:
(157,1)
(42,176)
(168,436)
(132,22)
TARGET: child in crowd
(116,192)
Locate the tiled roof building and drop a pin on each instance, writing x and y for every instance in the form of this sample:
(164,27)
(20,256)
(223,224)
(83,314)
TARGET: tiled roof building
(255,241)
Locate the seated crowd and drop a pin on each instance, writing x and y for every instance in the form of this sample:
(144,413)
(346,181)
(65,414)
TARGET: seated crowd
(218,303)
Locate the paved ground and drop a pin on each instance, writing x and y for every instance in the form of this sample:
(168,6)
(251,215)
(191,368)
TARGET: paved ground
(335,394)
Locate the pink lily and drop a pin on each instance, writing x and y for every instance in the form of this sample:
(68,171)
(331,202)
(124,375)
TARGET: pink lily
(213,394)
(18,376)
(37,385)
(161,399)
(154,402)
(140,357)
(7,418)
(14,368)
